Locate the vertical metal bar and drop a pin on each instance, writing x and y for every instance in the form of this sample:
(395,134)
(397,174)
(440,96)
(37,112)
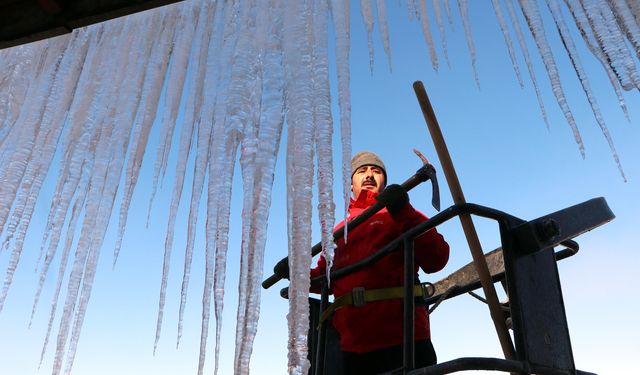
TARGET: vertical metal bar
(409,307)
(322,335)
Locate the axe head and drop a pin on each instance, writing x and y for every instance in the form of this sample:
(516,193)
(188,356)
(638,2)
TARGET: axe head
(428,172)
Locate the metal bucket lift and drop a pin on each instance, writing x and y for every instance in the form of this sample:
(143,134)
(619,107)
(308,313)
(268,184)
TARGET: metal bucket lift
(527,266)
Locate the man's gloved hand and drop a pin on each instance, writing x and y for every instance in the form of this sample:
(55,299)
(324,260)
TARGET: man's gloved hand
(394,197)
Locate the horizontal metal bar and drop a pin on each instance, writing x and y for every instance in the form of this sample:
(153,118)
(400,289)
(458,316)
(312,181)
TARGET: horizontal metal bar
(489,364)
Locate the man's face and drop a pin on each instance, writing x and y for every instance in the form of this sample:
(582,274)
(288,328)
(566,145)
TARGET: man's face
(367,177)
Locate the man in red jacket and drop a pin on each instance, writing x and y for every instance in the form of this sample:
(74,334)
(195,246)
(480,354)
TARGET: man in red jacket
(371,334)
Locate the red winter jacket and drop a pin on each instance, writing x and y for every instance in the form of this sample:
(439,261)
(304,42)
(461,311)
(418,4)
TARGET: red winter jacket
(378,324)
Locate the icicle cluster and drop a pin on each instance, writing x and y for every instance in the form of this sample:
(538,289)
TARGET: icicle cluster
(92,97)
(237,71)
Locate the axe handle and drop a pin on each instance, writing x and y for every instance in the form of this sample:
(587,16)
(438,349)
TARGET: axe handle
(467,224)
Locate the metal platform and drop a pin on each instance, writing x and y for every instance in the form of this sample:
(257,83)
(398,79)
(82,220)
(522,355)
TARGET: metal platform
(526,263)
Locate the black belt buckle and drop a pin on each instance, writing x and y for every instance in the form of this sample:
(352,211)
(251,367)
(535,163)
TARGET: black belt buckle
(357,296)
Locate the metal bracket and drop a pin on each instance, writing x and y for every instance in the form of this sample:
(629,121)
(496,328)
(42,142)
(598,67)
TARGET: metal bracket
(550,230)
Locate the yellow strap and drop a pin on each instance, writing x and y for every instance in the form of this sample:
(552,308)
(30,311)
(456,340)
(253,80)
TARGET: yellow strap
(370,295)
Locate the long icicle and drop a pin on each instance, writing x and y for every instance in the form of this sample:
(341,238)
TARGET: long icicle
(154,78)
(615,37)
(611,43)
(243,110)
(426,31)
(200,164)
(463,5)
(175,80)
(443,40)
(341,31)
(567,41)
(507,39)
(187,132)
(527,58)
(61,95)
(224,158)
(324,130)
(299,98)
(367,17)
(532,15)
(383,24)
(582,23)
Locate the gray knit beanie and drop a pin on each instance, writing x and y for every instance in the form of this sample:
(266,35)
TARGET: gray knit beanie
(363,158)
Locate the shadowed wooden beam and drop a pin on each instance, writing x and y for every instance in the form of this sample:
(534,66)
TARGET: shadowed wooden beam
(24,22)
(467,275)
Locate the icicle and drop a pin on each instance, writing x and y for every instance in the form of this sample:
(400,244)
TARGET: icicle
(60,97)
(443,40)
(426,31)
(447,7)
(221,165)
(208,275)
(464,14)
(68,78)
(104,194)
(530,11)
(61,272)
(507,39)
(299,99)
(25,171)
(634,6)
(567,41)
(341,32)
(186,136)
(367,17)
(628,24)
(177,71)
(153,80)
(200,167)
(324,130)
(212,91)
(227,164)
(110,145)
(582,23)
(527,58)
(241,126)
(85,250)
(617,28)
(611,42)
(17,71)
(19,145)
(70,174)
(411,9)
(616,39)
(271,120)
(384,28)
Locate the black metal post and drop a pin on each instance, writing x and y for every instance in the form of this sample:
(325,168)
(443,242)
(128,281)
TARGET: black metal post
(322,334)
(409,306)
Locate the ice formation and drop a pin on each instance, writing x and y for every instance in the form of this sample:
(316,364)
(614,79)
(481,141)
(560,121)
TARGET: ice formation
(238,71)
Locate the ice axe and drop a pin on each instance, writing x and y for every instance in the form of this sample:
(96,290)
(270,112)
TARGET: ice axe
(430,172)
(426,172)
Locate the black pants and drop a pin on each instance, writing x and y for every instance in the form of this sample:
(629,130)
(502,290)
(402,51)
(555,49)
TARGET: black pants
(387,359)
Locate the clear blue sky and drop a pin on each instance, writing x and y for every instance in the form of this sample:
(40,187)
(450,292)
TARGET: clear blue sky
(505,158)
